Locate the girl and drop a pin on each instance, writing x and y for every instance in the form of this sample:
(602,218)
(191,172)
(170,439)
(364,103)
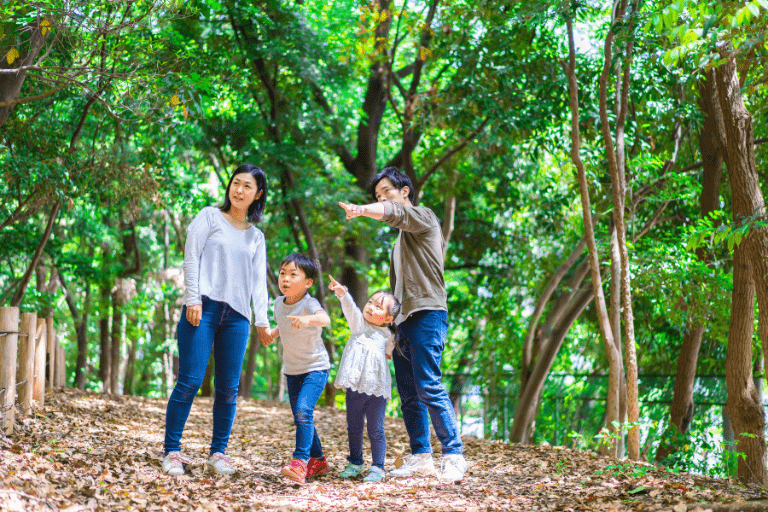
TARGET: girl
(225,263)
(364,373)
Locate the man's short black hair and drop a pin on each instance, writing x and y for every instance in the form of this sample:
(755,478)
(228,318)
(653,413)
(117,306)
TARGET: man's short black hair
(398,179)
(310,267)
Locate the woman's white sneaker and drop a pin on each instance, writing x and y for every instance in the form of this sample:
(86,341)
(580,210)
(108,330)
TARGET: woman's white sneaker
(453,467)
(173,464)
(418,464)
(220,464)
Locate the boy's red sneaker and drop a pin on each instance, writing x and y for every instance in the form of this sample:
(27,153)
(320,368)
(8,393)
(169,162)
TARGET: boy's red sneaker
(317,467)
(296,471)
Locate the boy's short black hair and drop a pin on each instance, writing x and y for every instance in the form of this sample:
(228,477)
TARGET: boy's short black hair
(310,267)
(398,179)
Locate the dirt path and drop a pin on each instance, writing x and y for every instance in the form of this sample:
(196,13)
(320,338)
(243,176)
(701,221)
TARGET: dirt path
(96,452)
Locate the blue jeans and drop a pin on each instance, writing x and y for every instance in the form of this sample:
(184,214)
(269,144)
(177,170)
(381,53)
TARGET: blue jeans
(359,408)
(303,392)
(421,340)
(226,332)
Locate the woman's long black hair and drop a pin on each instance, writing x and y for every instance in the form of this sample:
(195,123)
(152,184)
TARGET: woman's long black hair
(256,210)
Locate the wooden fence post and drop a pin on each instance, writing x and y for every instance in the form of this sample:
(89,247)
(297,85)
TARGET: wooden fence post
(26,369)
(38,390)
(51,350)
(9,337)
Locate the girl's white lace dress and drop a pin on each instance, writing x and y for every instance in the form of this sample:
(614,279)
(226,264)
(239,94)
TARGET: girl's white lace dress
(364,367)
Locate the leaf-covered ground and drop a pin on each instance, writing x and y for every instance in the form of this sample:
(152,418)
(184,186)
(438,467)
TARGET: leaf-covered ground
(95,452)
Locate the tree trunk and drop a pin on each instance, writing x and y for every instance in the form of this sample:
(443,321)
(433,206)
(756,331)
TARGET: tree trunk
(246,378)
(105,346)
(750,275)
(528,403)
(80,320)
(356,283)
(206,388)
(614,358)
(743,405)
(528,356)
(615,157)
(81,367)
(681,409)
(614,313)
(546,345)
(130,369)
(10,84)
(114,358)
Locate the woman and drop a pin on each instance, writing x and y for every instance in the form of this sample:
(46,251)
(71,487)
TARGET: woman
(225,264)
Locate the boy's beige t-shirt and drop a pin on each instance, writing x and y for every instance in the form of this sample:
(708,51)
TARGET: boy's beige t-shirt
(303,349)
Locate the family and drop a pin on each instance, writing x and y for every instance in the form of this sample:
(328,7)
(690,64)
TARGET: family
(225,265)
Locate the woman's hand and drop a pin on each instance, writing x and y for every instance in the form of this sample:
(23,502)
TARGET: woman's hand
(336,287)
(194,314)
(265,335)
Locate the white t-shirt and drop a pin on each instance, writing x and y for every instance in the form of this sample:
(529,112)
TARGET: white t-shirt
(303,349)
(226,264)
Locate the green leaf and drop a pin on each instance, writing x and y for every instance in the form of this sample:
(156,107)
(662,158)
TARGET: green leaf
(637,490)
(763,4)
(755,10)
(734,240)
(670,18)
(743,16)
(674,55)
(689,37)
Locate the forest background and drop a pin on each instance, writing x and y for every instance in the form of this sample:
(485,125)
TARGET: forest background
(596,166)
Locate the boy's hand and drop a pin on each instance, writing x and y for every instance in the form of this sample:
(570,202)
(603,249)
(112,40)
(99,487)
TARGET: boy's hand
(299,322)
(336,287)
(352,210)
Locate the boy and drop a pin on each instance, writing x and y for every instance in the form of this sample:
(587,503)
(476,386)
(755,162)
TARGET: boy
(417,280)
(300,318)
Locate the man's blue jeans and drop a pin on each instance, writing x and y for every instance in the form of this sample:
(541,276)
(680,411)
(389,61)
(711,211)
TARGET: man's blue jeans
(420,343)
(362,407)
(303,392)
(226,332)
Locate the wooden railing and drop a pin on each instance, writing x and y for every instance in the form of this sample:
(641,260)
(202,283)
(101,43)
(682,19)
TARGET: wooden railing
(26,344)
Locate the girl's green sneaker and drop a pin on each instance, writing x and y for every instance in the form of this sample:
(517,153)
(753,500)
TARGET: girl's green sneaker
(352,470)
(376,474)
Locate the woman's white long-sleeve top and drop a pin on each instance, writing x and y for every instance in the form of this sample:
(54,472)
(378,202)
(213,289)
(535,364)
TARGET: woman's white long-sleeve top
(364,367)
(226,264)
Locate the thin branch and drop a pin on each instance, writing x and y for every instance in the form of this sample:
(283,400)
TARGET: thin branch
(19,296)
(28,99)
(656,219)
(450,153)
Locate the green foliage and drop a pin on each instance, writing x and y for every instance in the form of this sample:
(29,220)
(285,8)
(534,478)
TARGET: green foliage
(711,231)
(625,470)
(700,452)
(693,30)
(190,91)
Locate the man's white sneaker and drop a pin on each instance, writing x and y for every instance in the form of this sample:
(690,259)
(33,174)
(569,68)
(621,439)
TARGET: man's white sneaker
(418,464)
(220,464)
(173,464)
(453,467)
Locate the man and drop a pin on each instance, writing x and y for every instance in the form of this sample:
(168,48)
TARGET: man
(417,280)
